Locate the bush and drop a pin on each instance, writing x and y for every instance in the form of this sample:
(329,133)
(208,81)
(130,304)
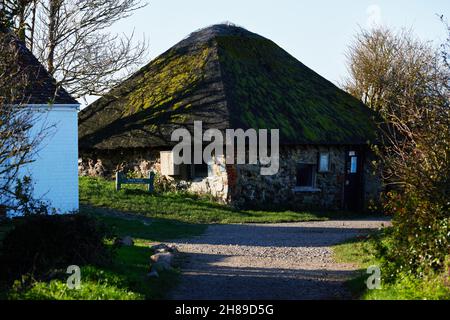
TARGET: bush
(421,235)
(41,244)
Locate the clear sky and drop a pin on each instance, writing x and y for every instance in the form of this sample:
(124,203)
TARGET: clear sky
(315,32)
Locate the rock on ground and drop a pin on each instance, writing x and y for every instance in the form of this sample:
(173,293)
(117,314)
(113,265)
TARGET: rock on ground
(125,241)
(268,261)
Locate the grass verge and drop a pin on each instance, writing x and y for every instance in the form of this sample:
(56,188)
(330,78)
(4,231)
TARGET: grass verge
(184,207)
(362,252)
(125,278)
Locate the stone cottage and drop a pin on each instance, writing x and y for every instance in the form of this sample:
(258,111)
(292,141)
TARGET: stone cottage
(228,77)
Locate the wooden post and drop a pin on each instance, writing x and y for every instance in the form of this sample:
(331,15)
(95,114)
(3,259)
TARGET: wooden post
(118,182)
(151,177)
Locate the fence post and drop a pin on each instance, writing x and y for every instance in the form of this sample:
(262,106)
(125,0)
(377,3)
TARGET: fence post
(151,176)
(118,176)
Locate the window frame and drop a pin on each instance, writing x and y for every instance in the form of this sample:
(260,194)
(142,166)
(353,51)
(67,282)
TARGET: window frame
(319,167)
(313,168)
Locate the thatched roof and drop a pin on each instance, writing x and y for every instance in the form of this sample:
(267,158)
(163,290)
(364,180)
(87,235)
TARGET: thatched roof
(41,87)
(229,78)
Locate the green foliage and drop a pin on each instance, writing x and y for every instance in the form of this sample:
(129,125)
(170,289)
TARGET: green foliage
(37,245)
(408,287)
(421,235)
(123,278)
(414,156)
(181,207)
(371,250)
(96,284)
(25,203)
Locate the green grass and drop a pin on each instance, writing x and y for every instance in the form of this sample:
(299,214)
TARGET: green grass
(181,207)
(125,278)
(144,230)
(362,253)
(151,218)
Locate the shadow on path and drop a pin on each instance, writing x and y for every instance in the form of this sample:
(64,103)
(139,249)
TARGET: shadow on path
(268,261)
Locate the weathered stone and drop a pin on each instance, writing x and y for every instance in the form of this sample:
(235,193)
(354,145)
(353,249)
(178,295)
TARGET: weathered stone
(161,266)
(162,257)
(162,247)
(125,241)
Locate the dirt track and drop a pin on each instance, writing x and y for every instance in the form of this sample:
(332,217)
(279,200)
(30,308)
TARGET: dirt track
(268,261)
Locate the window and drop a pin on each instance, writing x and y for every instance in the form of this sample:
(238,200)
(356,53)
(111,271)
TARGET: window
(305,175)
(324,162)
(353,164)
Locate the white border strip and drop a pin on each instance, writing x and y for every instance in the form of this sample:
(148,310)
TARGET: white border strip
(56,107)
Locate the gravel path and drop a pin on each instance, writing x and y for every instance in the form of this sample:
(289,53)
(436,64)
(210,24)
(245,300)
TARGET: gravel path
(268,261)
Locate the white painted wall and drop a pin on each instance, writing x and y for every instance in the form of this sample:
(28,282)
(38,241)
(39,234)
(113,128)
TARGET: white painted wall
(55,169)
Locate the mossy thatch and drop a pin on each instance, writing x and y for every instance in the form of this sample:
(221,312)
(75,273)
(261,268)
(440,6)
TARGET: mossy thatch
(227,77)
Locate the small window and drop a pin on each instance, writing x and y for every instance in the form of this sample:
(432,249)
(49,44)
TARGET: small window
(353,164)
(305,175)
(324,162)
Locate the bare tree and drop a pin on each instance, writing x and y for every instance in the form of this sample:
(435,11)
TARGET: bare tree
(15,13)
(408,82)
(72,39)
(19,135)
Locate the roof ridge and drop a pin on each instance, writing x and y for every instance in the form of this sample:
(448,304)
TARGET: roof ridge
(227,81)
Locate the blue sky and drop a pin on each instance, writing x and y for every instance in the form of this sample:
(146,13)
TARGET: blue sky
(315,32)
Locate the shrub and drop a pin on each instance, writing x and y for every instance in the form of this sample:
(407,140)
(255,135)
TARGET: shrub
(40,244)
(25,203)
(420,233)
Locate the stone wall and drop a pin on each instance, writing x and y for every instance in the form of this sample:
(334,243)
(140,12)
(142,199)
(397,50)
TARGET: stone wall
(216,184)
(140,162)
(253,189)
(243,185)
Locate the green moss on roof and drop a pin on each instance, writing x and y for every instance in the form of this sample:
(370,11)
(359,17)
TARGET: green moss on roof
(228,78)
(174,75)
(287,95)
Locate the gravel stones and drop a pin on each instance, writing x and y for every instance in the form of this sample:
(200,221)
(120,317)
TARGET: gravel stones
(268,261)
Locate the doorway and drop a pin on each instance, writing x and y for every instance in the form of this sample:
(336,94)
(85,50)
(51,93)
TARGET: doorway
(353,187)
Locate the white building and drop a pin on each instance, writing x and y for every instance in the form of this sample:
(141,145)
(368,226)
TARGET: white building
(54,172)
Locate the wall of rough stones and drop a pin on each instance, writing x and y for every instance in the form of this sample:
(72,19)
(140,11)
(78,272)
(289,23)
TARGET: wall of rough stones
(243,185)
(140,162)
(280,189)
(253,189)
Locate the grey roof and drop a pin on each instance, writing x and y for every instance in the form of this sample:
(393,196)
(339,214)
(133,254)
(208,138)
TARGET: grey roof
(227,77)
(42,88)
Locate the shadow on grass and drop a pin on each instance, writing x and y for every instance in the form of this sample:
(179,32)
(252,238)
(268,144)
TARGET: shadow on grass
(133,263)
(207,203)
(141,227)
